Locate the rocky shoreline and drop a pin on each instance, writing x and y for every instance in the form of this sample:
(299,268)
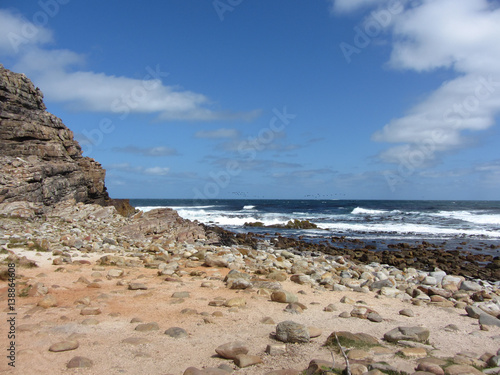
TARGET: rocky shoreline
(220,293)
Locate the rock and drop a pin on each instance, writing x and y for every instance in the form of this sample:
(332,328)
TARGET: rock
(430,367)
(330,308)
(40,162)
(267,320)
(407,312)
(474,311)
(235,302)
(137,286)
(494,361)
(176,332)
(418,334)
(413,352)
(215,261)
(462,370)
(283,296)
(351,339)
(147,327)
(470,286)
(47,301)
(289,331)
(374,317)
(488,320)
(294,308)
(239,284)
(245,360)
(301,279)
(231,349)
(358,355)
(64,346)
(358,369)
(114,273)
(318,366)
(314,332)
(181,295)
(90,311)
(347,300)
(79,362)
(276,349)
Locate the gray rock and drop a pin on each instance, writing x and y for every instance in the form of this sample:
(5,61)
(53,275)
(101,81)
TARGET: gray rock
(488,320)
(474,311)
(407,312)
(470,286)
(176,332)
(374,317)
(418,334)
(292,332)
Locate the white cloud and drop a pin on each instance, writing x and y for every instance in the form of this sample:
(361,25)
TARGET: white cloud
(147,151)
(217,134)
(16,32)
(346,6)
(459,35)
(127,167)
(58,74)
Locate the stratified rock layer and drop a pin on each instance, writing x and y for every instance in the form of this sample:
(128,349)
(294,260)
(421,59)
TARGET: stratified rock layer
(40,162)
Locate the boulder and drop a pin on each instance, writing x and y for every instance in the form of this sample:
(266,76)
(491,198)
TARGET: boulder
(292,332)
(418,334)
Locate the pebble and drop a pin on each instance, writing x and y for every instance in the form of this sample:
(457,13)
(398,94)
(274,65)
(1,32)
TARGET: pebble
(137,286)
(418,334)
(79,362)
(235,302)
(407,312)
(90,311)
(47,301)
(283,296)
(176,332)
(64,346)
(246,360)
(276,349)
(147,327)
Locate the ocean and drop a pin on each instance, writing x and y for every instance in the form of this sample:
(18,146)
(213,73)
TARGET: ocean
(387,221)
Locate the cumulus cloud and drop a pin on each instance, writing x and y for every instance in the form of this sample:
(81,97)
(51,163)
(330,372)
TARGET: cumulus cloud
(346,6)
(460,36)
(60,76)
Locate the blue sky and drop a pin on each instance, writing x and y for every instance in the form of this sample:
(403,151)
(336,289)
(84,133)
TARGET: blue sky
(340,99)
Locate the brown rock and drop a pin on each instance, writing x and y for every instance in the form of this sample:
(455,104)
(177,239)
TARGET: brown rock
(231,349)
(64,346)
(245,360)
(47,301)
(79,362)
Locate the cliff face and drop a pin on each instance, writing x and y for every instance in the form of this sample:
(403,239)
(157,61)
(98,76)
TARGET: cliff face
(40,162)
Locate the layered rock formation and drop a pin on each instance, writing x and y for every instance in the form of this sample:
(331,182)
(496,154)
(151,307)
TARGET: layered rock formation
(40,162)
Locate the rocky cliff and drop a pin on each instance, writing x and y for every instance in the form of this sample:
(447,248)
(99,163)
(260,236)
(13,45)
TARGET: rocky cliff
(40,162)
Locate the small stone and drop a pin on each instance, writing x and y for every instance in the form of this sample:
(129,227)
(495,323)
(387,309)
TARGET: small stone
(358,355)
(245,360)
(344,315)
(283,296)
(90,311)
(318,366)
(374,317)
(292,332)
(136,320)
(181,295)
(90,322)
(474,312)
(235,302)
(452,328)
(284,372)
(79,362)
(358,369)
(276,349)
(488,320)
(137,286)
(231,349)
(347,300)
(267,320)
(314,332)
(470,286)
(407,312)
(330,308)
(147,327)
(430,367)
(418,334)
(114,273)
(64,346)
(47,301)
(176,332)
(413,352)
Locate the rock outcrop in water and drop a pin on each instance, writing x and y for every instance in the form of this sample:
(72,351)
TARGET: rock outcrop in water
(40,162)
